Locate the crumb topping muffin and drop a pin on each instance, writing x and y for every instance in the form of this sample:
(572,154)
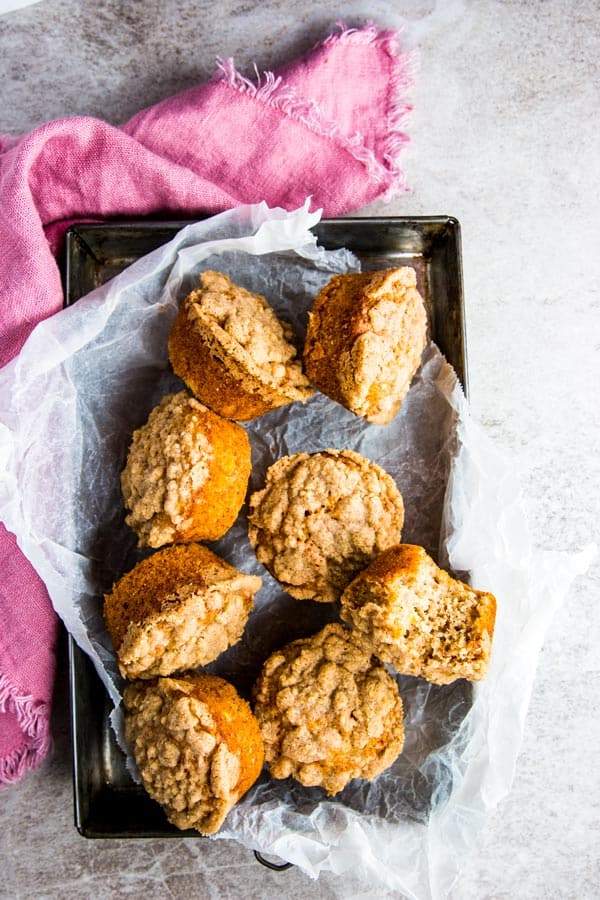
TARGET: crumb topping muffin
(418,618)
(328,711)
(177,609)
(321,518)
(186,473)
(197,745)
(366,334)
(233,352)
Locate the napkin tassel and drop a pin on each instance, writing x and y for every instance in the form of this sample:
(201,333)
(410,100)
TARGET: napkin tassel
(33,718)
(273,91)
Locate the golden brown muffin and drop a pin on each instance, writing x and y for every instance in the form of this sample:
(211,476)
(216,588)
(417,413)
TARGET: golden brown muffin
(328,711)
(186,474)
(365,337)
(178,609)
(321,518)
(420,619)
(197,746)
(232,351)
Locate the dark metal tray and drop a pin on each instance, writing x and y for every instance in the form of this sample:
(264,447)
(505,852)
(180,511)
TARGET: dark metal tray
(107,802)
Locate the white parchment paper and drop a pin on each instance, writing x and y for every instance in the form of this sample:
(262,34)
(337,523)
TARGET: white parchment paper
(68,406)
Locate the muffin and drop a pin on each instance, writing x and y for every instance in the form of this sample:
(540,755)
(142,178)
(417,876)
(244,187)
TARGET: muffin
(178,609)
(232,351)
(197,746)
(328,711)
(186,474)
(420,619)
(366,334)
(321,518)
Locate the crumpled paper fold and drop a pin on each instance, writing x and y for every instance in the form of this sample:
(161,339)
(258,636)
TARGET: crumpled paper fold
(68,406)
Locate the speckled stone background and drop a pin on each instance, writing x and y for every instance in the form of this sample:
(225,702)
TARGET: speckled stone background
(506,139)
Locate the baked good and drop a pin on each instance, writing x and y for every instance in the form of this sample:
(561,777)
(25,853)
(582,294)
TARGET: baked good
(197,746)
(328,711)
(186,474)
(420,619)
(366,333)
(233,352)
(177,609)
(321,518)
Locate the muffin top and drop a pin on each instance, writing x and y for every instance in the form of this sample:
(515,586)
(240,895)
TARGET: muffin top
(328,711)
(365,337)
(186,473)
(233,352)
(321,518)
(177,609)
(246,328)
(197,746)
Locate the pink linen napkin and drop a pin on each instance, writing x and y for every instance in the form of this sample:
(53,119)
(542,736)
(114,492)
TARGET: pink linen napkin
(329,125)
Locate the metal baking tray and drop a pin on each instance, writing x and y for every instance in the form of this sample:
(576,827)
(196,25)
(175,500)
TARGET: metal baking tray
(107,802)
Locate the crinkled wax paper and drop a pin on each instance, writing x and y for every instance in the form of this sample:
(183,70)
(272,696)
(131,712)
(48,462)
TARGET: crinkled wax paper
(90,375)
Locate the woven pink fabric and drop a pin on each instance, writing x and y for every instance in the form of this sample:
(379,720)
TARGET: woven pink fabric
(329,125)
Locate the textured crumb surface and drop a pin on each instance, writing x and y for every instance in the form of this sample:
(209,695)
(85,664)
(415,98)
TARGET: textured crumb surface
(365,338)
(328,711)
(233,352)
(321,518)
(178,609)
(419,618)
(197,746)
(186,473)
